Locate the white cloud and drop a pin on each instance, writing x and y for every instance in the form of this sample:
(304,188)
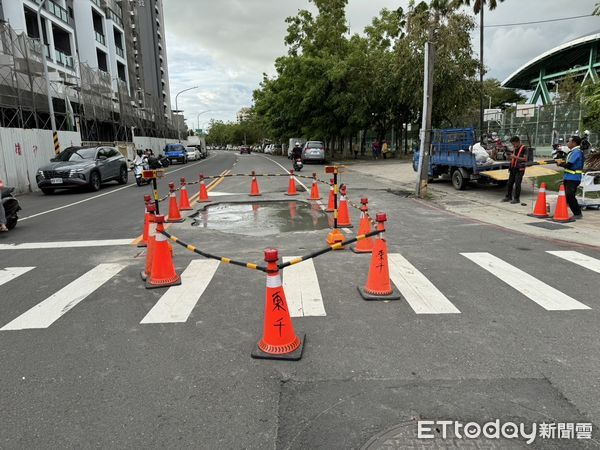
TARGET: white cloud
(225,46)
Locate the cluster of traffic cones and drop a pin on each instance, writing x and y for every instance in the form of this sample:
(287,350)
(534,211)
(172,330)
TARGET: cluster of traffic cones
(561,212)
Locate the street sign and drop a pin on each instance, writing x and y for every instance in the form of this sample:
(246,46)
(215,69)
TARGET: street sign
(527,110)
(153,174)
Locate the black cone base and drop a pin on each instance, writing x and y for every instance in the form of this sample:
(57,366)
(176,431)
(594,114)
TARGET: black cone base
(395,295)
(257,353)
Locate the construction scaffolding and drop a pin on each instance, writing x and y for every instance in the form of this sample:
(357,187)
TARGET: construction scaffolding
(84,98)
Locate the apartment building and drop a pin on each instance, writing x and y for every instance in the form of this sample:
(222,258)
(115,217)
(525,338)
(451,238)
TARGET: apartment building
(58,31)
(108,56)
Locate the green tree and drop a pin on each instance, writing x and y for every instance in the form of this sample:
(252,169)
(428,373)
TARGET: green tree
(500,95)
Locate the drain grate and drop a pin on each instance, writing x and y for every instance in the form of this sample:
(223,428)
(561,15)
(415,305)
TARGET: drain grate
(548,225)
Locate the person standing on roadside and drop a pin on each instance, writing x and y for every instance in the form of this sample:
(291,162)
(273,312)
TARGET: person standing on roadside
(3,227)
(516,171)
(572,177)
(376,147)
(385,149)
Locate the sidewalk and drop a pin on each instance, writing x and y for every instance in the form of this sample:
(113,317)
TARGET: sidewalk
(483,203)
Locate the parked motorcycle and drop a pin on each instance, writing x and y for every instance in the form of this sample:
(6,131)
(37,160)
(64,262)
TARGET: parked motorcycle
(298,165)
(11,206)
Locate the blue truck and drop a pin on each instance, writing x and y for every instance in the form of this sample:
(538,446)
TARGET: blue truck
(451,155)
(176,152)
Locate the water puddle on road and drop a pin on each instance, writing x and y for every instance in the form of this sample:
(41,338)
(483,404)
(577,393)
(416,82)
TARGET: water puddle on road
(262,218)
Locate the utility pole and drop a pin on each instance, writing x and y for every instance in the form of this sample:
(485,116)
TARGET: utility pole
(481,73)
(423,170)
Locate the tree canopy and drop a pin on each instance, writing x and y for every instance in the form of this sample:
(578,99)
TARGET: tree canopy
(332,84)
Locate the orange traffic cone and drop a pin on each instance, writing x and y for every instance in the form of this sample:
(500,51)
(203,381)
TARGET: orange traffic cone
(331,202)
(254,192)
(561,213)
(184,201)
(151,209)
(314,190)
(203,195)
(540,209)
(378,286)
(144,241)
(279,340)
(364,227)
(174,214)
(343,216)
(292,185)
(162,273)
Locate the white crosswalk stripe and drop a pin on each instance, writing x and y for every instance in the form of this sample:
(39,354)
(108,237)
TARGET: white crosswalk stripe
(422,296)
(177,303)
(579,258)
(10,273)
(47,312)
(302,290)
(544,295)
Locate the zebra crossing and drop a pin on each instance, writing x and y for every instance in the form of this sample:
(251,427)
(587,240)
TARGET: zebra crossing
(302,286)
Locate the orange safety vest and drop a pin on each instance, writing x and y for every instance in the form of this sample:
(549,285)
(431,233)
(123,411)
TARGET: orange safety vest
(514,163)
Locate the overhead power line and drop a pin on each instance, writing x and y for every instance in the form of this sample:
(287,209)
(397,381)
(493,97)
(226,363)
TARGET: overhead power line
(537,21)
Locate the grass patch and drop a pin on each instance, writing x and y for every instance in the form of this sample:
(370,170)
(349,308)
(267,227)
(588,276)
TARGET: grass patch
(553,182)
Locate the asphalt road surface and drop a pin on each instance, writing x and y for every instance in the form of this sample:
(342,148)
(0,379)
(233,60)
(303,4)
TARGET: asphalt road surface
(492,326)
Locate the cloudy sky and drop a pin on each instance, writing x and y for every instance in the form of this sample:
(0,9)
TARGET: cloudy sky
(225,46)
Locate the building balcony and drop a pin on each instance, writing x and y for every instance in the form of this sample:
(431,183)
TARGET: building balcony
(98,3)
(58,11)
(100,38)
(120,52)
(63,59)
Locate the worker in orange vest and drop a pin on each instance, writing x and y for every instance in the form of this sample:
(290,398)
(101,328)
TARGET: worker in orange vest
(516,171)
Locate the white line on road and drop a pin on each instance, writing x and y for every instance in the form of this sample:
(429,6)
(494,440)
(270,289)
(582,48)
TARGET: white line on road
(546,296)
(177,303)
(419,292)
(9,273)
(65,244)
(102,195)
(47,312)
(302,290)
(579,258)
(319,202)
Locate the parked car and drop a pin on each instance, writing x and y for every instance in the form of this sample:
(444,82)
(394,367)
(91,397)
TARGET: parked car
(192,153)
(313,151)
(82,167)
(176,152)
(245,149)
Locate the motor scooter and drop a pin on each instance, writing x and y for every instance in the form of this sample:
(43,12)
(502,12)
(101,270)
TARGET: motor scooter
(138,170)
(11,206)
(298,165)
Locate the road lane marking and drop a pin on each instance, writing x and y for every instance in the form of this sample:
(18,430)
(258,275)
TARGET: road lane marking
(65,244)
(10,273)
(422,296)
(580,259)
(302,290)
(100,195)
(177,303)
(544,295)
(47,312)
